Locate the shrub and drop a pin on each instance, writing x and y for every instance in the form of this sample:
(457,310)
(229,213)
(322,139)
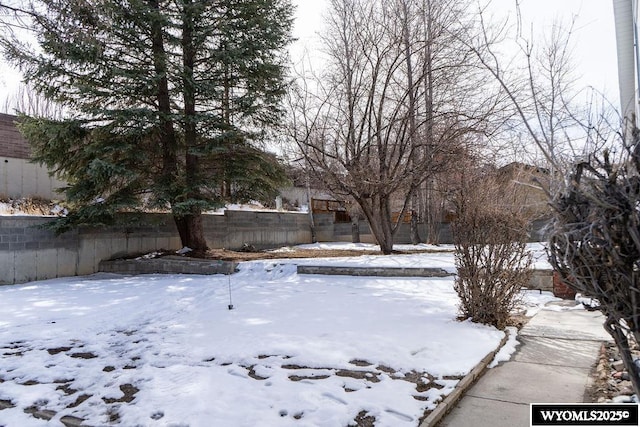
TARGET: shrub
(493,265)
(595,241)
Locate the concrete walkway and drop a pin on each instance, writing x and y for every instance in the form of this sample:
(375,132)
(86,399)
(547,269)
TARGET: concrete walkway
(553,363)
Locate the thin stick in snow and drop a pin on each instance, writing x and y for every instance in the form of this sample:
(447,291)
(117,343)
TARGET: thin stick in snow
(230,302)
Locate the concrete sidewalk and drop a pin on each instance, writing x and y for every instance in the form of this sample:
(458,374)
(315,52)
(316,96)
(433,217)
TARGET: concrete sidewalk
(553,363)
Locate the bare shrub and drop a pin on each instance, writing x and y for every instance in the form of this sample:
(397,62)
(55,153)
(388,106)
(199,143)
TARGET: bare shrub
(491,255)
(595,242)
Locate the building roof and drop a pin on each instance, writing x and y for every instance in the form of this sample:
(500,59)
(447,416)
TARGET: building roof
(12,144)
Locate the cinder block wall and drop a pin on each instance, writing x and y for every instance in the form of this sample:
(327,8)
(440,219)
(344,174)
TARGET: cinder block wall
(28,252)
(261,229)
(342,233)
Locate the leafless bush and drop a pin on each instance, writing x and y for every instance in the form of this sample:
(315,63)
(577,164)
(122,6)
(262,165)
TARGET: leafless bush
(595,241)
(491,255)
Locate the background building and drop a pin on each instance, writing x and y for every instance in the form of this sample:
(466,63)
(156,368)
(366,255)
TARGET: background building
(626,19)
(19,177)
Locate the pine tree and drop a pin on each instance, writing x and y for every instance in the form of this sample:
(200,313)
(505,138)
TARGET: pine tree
(168,103)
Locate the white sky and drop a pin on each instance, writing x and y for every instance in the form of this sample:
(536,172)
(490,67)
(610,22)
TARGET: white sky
(594,32)
(594,35)
(595,47)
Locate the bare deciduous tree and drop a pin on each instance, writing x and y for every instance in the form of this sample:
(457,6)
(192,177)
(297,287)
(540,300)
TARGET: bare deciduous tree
(595,237)
(26,101)
(396,101)
(554,120)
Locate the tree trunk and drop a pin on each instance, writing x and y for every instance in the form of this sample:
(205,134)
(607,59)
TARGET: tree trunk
(386,242)
(167,136)
(427,70)
(190,225)
(416,157)
(191,231)
(414,233)
(379,218)
(355,228)
(385,225)
(415,236)
(434,213)
(312,223)
(383,238)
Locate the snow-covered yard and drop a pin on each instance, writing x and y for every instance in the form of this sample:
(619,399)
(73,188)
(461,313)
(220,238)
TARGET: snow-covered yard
(294,351)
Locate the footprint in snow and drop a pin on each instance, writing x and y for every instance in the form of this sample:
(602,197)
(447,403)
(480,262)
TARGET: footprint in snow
(400,415)
(236,373)
(334,398)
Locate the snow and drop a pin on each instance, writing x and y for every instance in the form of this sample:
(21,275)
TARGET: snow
(295,350)
(372,247)
(18,208)
(443,258)
(536,300)
(150,255)
(253,206)
(585,301)
(508,349)
(540,258)
(22,207)
(433,260)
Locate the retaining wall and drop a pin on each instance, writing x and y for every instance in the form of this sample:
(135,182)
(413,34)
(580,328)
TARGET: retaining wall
(541,280)
(18,176)
(29,252)
(373,271)
(168,265)
(342,233)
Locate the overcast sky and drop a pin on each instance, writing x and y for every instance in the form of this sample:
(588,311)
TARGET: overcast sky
(594,32)
(595,48)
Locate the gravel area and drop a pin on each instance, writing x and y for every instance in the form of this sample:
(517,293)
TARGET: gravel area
(611,381)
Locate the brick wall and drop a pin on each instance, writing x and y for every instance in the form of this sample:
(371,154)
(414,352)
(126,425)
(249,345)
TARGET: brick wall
(12,144)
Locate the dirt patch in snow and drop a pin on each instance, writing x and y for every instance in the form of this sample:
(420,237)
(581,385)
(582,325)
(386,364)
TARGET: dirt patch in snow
(228,255)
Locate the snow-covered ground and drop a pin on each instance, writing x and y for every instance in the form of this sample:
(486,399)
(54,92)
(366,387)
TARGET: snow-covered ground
(166,350)
(440,256)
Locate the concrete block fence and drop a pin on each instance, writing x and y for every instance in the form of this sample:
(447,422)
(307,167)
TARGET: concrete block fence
(29,252)
(168,265)
(21,178)
(18,176)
